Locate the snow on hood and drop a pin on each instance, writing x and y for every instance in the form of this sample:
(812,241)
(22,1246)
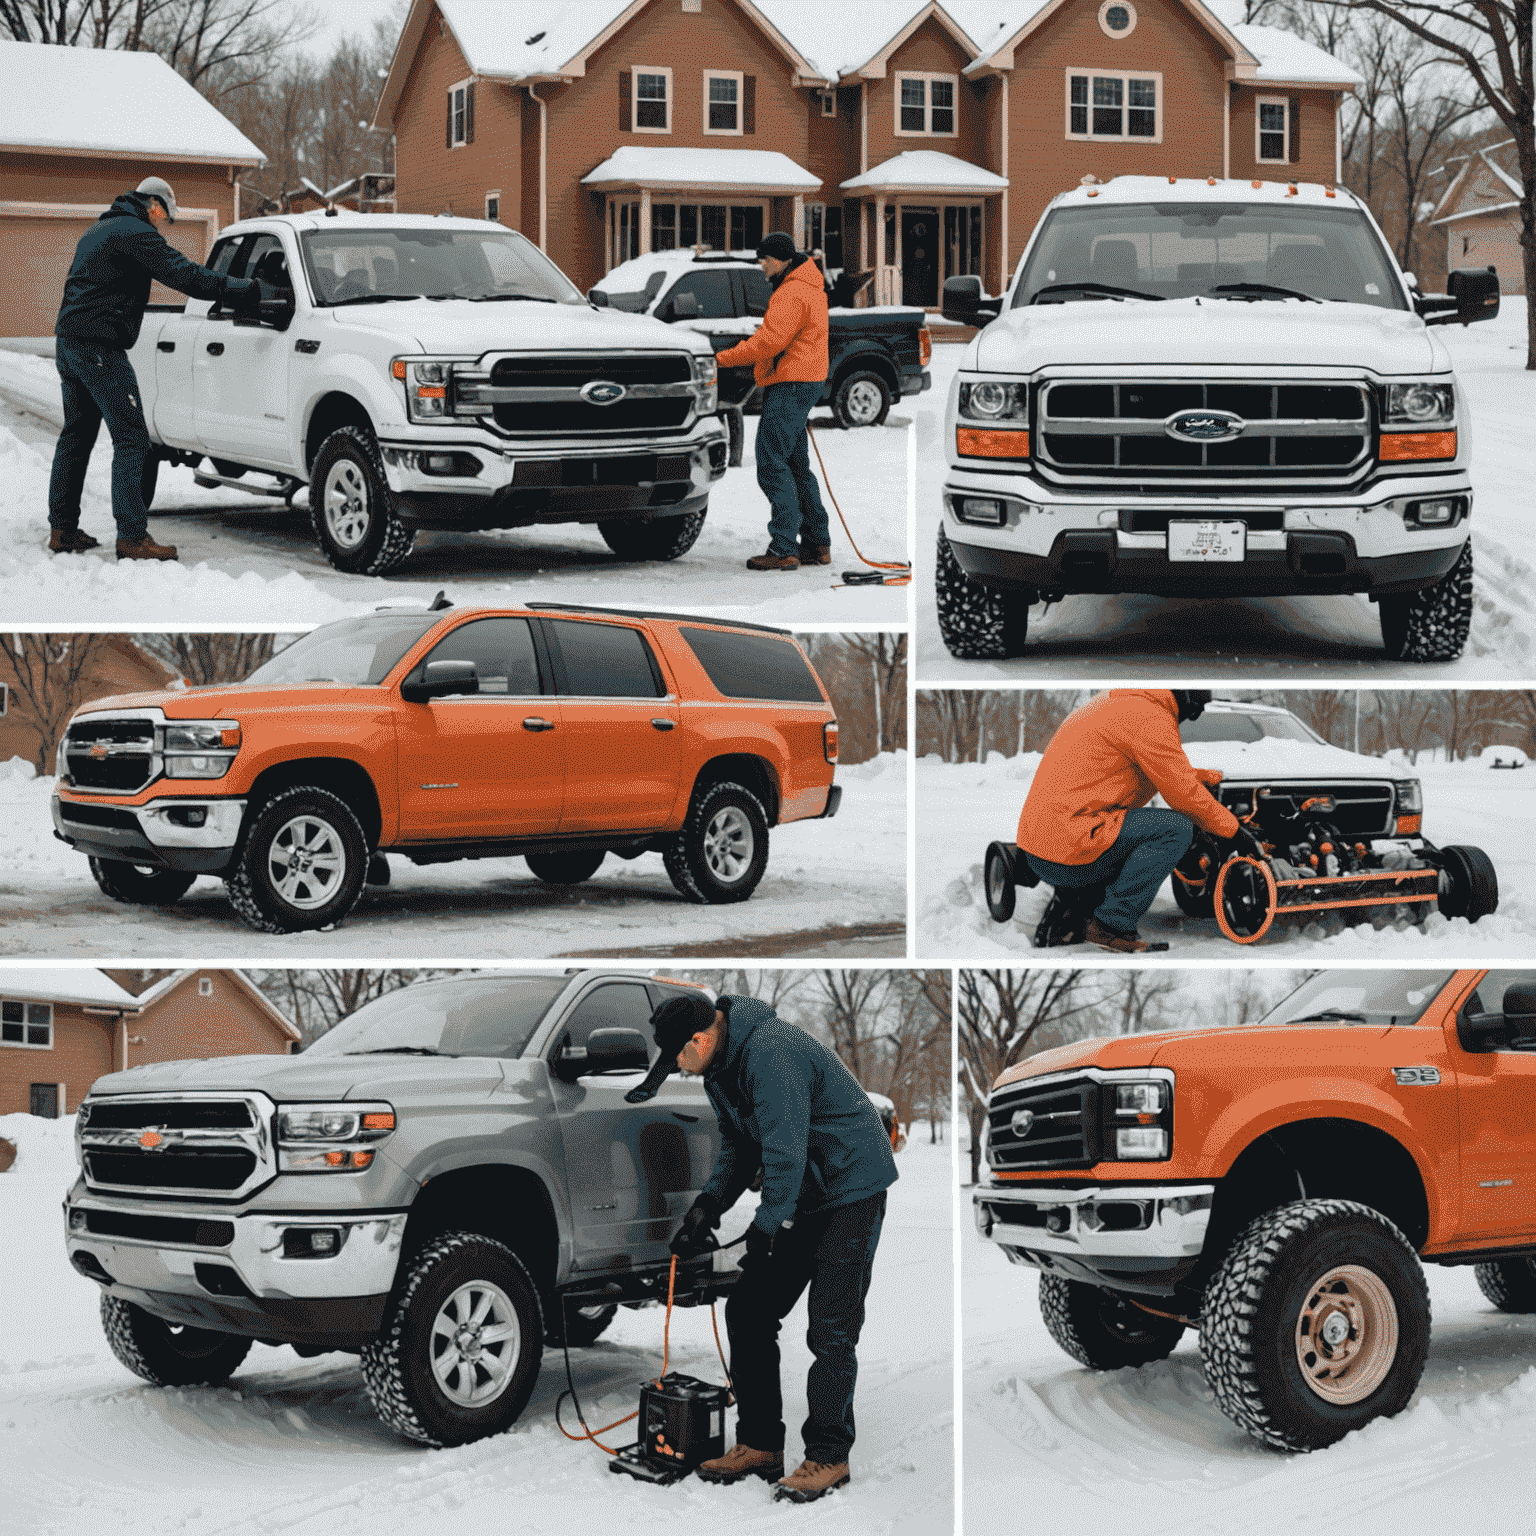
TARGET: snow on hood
(1208,332)
(459,326)
(1273,757)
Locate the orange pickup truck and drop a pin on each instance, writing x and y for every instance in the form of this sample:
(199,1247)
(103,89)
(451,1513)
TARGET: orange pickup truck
(553,732)
(1279,1186)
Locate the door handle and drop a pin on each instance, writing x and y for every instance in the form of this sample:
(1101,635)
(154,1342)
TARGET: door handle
(165,346)
(663,725)
(679,1115)
(536,723)
(216,348)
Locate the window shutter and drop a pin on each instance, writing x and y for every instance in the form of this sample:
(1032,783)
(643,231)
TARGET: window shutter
(469,113)
(626,119)
(1293,129)
(749,103)
(450,119)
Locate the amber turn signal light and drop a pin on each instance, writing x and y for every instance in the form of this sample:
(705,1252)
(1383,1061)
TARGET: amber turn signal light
(1418,445)
(1408,826)
(976,443)
(398,368)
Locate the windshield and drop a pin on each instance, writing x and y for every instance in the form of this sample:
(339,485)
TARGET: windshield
(1219,725)
(354,652)
(1362,997)
(362,263)
(478,1016)
(1181,250)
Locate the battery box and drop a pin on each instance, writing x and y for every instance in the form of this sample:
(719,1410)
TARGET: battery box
(682,1422)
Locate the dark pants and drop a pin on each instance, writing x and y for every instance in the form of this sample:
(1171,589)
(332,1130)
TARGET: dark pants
(99,385)
(784,468)
(833,1252)
(1134,866)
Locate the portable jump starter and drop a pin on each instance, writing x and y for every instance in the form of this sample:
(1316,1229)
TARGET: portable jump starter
(682,1422)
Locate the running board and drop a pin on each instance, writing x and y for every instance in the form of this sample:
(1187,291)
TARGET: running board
(281,488)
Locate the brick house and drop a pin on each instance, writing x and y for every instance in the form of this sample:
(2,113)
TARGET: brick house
(78,127)
(1480,214)
(63,1027)
(915,140)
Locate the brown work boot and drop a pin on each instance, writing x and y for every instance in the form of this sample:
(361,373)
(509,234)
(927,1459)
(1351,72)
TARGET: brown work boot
(773,562)
(1120,943)
(742,1461)
(815,554)
(811,1480)
(145,549)
(70,541)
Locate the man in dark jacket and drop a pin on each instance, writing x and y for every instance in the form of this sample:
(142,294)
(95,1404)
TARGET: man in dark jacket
(785,1103)
(105,296)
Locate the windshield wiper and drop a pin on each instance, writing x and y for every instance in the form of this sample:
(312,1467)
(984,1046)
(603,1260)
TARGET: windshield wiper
(1332,1013)
(399,1050)
(1109,289)
(506,298)
(1258,290)
(374,298)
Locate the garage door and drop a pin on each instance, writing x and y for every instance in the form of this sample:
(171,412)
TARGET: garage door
(35,253)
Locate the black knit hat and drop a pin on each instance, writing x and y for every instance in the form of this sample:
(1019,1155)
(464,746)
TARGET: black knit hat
(673,1024)
(778,245)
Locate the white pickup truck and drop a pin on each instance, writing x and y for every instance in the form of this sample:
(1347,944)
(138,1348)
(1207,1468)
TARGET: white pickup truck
(423,372)
(1205,388)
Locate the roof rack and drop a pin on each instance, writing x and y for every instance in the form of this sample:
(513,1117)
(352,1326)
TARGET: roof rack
(651,613)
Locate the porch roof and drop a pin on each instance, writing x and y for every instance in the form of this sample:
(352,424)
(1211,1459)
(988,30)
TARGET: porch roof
(929,171)
(761,172)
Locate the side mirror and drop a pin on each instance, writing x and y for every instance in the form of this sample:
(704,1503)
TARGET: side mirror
(1472,294)
(1520,1016)
(965,304)
(597,298)
(438,679)
(606,1050)
(683,306)
(1480,1033)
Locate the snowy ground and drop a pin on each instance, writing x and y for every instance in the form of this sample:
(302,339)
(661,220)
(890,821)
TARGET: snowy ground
(848,874)
(963,807)
(1149,1450)
(1137,636)
(292,1445)
(244,560)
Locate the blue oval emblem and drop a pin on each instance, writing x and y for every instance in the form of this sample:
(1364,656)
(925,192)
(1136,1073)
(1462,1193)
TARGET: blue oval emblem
(602,392)
(1204,426)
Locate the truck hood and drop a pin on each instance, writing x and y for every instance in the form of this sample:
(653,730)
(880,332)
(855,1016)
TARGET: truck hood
(229,698)
(1114,1051)
(1143,337)
(1276,759)
(458,327)
(316,1079)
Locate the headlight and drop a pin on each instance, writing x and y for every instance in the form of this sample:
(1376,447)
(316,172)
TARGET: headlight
(994,402)
(706,388)
(1136,1142)
(1139,1119)
(1139,1099)
(331,1138)
(1410,797)
(1420,404)
(428,388)
(199,749)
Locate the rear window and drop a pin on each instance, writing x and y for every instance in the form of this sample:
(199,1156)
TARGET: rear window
(754,666)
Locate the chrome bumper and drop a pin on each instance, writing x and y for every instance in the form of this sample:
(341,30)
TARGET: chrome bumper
(1103,1222)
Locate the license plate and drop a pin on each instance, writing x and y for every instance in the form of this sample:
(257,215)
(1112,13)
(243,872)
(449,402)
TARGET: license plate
(1199,541)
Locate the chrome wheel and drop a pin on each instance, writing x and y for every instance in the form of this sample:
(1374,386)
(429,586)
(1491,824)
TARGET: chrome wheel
(345,500)
(728,845)
(1346,1335)
(306,862)
(476,1343)
(863,402)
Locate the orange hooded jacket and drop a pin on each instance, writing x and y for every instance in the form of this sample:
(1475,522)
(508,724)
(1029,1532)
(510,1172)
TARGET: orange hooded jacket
(1106,758)
(790,346)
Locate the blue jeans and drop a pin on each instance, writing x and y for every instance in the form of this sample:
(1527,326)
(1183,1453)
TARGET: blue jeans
(784,468)
(99,385)
(1134,866)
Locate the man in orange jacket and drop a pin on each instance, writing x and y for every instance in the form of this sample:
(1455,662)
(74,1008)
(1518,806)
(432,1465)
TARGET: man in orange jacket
(788,353)
(1085,830)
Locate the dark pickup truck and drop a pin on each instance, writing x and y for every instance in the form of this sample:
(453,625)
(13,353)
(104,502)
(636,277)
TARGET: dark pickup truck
(876,355)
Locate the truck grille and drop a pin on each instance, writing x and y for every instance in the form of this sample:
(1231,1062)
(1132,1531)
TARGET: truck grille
(1064,1130)
(213,1145)
(102,752)
(1364,809)
(1291,431)
(540,396)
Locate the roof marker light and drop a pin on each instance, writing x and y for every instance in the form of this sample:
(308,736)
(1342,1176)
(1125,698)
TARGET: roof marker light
(1210,181)
(1258,186)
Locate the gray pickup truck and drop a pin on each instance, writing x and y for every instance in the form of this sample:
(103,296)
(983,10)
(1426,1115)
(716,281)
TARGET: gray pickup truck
(444,1183)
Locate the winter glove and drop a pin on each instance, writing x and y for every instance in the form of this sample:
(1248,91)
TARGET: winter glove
(693,1237)
(759,1245)
(1242,843)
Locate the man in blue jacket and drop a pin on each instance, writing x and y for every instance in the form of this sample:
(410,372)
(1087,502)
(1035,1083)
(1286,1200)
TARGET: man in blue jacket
(105,296)
(787,1104)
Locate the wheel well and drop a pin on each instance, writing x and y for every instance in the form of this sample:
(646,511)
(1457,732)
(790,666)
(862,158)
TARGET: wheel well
(867,362)
(340,775)
(332,411)
(754,773)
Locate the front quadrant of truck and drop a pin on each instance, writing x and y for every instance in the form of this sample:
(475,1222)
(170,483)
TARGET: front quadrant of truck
(554,733)
(1202,388)
(1279,1187)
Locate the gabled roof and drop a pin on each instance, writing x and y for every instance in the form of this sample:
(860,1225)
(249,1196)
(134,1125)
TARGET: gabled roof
(171,983)
(99,101)
(664,166)
(926,170)
(80,984)
(1479,160)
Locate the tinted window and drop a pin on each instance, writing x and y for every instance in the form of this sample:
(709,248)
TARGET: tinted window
(1374,997)
(711,289)
(263,258)
(223,254)
(356,652)
(758,290)
(1489,996)
(605,661)
(502,651)
(618,1005)
(754,666)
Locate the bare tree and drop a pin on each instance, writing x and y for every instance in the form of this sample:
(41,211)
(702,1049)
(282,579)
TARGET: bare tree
(212,658)
(886,657)
(316,1000)
(866,679)
(53,676)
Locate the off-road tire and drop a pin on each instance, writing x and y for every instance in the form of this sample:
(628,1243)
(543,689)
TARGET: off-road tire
(1510,1284)
(583,1325)
(396,1366)
(1103,1329)
(1254,1301)
(385,540)
(566,868)
(663,538)
(150,480)
(685,857)
(139,885)
(862,399)
(168,1356)
(977,623)
(1431,624)
(997,883)
(257,902)
(1474,883)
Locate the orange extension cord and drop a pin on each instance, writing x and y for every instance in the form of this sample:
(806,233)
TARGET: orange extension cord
(902,569)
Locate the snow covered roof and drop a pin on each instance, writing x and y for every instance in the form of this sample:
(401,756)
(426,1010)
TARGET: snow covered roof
(1482,158)
(926,170)
(169,984)
(66,984)
(1287,59)
(747,170)
(106,102)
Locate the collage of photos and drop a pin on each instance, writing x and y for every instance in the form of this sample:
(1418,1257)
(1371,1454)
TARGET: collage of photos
(767,767)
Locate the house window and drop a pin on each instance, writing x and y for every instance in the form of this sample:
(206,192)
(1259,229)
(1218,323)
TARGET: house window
(26,1024)
(1114,106)
(1272,130)
(925,104)
(461,114)
(722,101)
(653,100)
(493,206)
(1117,19)
(827,101)
(663,226)
(205,986)
(624,230)
(5,699)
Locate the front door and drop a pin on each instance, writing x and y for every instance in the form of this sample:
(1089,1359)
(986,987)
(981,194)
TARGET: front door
(920,257)
(44,1100)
